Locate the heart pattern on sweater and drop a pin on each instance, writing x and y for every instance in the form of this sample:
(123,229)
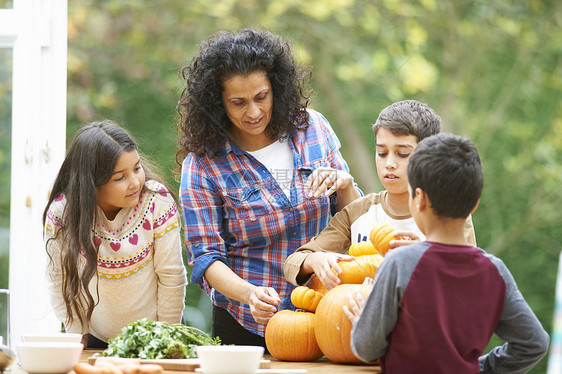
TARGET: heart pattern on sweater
(115,246)
(97,241)
(146,225)
(134,239)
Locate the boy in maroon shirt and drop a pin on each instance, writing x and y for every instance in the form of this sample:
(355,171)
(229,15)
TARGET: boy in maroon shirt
(436,304)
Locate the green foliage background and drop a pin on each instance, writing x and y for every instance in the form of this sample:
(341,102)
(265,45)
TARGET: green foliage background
(492,70)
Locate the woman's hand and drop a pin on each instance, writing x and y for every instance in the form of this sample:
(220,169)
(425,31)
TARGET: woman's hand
(327,181)
(263,303)
(355,308)
(406,238)
(322,263)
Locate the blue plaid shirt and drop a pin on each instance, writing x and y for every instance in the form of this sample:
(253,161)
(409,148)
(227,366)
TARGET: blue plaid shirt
(235,211)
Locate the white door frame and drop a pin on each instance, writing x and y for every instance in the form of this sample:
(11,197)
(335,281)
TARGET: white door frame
(36,30)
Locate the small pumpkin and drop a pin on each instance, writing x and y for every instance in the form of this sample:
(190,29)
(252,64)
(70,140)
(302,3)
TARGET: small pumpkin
(362,248)
(316,285)
(381,235)
(332,328)
(362,267)
(305,298)
(353,272)
(290,336)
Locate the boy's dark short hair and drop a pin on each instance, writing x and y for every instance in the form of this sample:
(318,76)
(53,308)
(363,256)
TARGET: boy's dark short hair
(448,169)
(409,117)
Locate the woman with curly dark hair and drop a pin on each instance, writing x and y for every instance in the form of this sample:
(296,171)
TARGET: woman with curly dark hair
(260,174)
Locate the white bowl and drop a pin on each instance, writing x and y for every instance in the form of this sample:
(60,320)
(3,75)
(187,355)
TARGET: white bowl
(229,359)
(51,337)
(48,357)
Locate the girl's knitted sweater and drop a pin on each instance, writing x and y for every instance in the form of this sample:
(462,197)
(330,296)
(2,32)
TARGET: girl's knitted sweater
(140,270)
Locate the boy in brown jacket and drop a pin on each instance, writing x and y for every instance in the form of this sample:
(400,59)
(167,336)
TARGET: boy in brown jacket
(398,130)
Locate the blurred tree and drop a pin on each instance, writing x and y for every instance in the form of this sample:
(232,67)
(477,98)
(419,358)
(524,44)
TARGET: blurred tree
(491,70)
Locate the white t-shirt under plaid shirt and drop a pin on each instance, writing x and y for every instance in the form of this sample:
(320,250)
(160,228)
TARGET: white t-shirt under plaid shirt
(278,159)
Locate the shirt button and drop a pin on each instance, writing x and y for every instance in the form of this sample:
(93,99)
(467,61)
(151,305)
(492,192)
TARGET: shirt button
(197,245)
(294,233)
(291,209)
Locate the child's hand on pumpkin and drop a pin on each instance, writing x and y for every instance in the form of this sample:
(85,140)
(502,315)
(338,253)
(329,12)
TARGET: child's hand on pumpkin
(356,302)
(406,238)
(325,266)
(327,180)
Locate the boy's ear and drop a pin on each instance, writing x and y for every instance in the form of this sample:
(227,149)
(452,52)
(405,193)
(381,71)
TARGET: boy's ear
(475,206)
(421,199)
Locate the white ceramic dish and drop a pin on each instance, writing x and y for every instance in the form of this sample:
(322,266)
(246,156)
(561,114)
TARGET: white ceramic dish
(229,359)
(48,357)
(51,337)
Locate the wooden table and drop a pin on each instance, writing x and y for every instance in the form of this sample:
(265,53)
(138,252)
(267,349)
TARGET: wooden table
(322,366)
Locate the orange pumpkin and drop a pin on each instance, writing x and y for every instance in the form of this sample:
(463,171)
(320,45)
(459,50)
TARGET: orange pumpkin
(316,285)
(354,272)
(305,298)
(357,270)
(380,236)
(289,336)
(375,259)
(332,328)
(362,248)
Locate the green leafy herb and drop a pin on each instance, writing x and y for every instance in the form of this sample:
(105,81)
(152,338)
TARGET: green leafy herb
(176,350)
(152,339)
